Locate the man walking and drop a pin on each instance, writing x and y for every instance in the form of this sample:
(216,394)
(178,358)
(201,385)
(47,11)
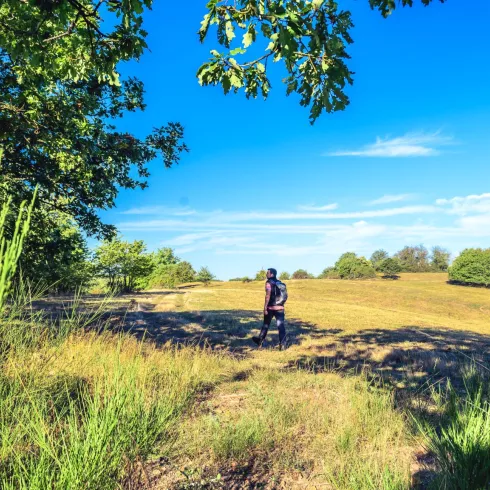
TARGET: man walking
(275,297)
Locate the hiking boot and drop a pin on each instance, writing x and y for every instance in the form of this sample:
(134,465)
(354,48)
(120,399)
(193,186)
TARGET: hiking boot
(258,340)
(283,346)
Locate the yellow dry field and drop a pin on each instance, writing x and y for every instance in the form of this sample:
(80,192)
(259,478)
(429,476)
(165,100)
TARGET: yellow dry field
(334,410)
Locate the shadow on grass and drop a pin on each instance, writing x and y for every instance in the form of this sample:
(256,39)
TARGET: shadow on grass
(411,357)
(230,330)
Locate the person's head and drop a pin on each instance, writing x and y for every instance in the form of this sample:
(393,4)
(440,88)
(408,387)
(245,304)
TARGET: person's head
(271,274)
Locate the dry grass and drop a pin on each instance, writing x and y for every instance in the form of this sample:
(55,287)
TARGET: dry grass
(329,412)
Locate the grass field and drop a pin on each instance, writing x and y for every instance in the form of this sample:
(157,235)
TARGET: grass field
(367,366)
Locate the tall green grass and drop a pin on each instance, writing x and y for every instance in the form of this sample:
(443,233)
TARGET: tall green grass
(461,444)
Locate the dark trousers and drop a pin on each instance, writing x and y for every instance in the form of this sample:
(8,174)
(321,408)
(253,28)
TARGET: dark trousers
(279,316)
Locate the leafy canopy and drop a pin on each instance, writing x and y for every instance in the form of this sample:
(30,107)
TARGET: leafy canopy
(122,263)
(309,38)
(60,95)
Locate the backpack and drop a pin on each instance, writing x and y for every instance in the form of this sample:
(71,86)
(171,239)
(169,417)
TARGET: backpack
(281,293)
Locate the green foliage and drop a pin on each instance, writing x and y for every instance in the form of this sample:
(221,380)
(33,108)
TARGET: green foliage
(204,275)
(350,266)
(165,256)
(171,275)
(10,249)
(414,259)
(261,275)
(440,259)
(301,274)
(462,446)
(377,257)
(60,93)
(471,267)
(284,276)
(241,279)
(122,263)
(329,273)
(309,38)
(55,254)
(390,267)
(386,7)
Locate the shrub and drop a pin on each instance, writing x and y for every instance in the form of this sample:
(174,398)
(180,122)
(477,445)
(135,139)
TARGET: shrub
(261,275)
(472,267)
(301,274)
(329,273)
(169,276)
(204,275)
(350,266)
(285,276)
(390,267)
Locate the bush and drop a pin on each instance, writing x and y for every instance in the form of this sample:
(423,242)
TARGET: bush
(261,275)
(284,276)
(390,268)
(329,273)
(204,275)
(301,274)
(472,267)
(169,276)
(350,266)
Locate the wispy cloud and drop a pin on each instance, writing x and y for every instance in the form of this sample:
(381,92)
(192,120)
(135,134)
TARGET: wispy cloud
(409,145)
(387,198)
(464,220)
(231,220)
(474,203)
(327,207)
(159,210)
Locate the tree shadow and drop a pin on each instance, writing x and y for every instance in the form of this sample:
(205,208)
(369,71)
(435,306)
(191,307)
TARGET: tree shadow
(229,330)
(409,358)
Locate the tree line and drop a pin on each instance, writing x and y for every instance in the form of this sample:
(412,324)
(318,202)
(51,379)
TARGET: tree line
(351,266)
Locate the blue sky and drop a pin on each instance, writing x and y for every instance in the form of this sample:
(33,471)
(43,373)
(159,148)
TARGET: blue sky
(406,163)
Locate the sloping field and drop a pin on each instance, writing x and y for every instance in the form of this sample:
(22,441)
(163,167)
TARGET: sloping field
(407,337)
(336,410)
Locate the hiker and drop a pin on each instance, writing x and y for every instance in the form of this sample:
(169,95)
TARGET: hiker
(275,297)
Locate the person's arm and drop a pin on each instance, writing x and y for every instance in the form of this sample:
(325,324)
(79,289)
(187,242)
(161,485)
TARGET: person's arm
(268,290)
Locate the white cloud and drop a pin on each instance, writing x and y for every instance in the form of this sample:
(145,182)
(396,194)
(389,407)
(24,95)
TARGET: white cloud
(475,203)
(409,145)
(328,207)
(160,210)
(232,220)
(387,198)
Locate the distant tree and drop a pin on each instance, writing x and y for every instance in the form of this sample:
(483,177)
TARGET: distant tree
(165,256)
(344,256)
(261,275)
(440,259)
(285,276)
(390,267)
(301,274)
(169,276)
(414,259)
(204,275)
(246,279)
(122,263)
(377,257)
(350,266)
(329,273)
(472,267)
